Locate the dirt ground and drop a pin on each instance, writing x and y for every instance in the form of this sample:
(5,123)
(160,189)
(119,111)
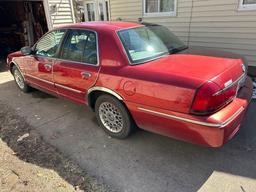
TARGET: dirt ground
(28,163)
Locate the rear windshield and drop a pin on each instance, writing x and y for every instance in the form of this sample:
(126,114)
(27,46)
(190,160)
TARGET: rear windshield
(149,42)
(171,41)
(141,44)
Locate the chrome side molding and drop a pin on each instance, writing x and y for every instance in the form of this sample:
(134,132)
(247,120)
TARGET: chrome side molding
(56,84)
(217,125)
(39,79)
(68,88)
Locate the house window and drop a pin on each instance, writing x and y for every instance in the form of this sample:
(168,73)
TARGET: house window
(160,7)
(90,11)
(97,10)
(247,5)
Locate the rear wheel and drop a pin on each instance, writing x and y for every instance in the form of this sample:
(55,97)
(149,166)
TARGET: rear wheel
(20,80)
(113,117)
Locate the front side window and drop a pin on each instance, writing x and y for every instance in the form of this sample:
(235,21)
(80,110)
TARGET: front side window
(247,5)
(80,46)
(159,7)
(142,44)
(48,45)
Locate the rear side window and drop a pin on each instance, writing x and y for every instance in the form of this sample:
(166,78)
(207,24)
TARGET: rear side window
(48,45)
(80,46)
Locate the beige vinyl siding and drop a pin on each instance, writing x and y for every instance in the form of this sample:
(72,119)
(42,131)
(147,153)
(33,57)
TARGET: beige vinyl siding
(129,10)
(214,23)
(64,14)
(219,24)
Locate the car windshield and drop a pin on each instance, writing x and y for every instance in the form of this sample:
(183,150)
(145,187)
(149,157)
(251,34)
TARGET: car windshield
(149,42)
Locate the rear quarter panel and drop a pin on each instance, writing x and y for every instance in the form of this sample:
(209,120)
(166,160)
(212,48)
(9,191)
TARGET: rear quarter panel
(146,90)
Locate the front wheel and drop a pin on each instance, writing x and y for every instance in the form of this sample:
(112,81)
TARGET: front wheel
(20,80)
(113,117)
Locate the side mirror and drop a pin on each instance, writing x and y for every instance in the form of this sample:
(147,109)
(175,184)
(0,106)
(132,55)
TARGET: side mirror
(26,50)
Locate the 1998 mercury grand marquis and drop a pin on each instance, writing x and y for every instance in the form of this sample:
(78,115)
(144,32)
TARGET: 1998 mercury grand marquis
(138,75)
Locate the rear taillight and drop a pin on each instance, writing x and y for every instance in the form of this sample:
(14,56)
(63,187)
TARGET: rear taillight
(210,98)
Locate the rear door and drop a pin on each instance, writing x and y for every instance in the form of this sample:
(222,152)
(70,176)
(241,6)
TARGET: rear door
(40,63)
(77,68)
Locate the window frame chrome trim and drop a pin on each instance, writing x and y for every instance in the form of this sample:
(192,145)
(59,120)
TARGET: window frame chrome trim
(76,62)
(97,47)
(216,125)
(62,41)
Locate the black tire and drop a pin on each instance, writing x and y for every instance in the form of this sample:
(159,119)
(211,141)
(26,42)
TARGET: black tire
(128,125)
(25,88)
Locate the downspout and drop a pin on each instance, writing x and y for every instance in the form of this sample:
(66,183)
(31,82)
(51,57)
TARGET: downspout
(72,11)
(190,22)
(47,14)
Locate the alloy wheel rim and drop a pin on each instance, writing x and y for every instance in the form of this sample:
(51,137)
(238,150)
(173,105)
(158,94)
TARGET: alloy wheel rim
(19,79)
(111,117)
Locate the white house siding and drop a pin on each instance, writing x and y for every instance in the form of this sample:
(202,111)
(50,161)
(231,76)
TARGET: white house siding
(64,12)
(214,23)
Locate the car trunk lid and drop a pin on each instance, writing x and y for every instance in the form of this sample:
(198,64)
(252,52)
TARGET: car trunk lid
(222,71)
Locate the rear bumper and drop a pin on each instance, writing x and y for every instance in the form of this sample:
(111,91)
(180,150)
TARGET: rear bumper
(213,131)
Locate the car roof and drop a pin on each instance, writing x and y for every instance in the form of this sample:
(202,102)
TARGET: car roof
(103,25)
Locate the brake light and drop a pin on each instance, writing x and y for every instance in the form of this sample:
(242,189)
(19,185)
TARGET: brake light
(210,98)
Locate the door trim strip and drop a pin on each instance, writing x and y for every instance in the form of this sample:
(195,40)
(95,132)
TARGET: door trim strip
(51,83)
(39,79)
(68,88)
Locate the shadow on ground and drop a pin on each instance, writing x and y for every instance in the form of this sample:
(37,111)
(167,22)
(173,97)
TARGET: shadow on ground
(33,149)
(2,65)
(41,95)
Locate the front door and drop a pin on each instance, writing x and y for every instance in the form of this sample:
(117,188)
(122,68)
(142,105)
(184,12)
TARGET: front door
(39,69)
(77,68)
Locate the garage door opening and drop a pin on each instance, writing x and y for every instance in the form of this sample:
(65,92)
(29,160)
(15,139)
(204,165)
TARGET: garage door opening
(22,24)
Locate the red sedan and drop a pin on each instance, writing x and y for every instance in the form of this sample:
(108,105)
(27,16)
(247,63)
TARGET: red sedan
(139,75)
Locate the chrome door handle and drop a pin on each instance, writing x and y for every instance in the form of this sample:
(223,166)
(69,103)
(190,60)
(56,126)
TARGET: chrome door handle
(86,74)
(48,67)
